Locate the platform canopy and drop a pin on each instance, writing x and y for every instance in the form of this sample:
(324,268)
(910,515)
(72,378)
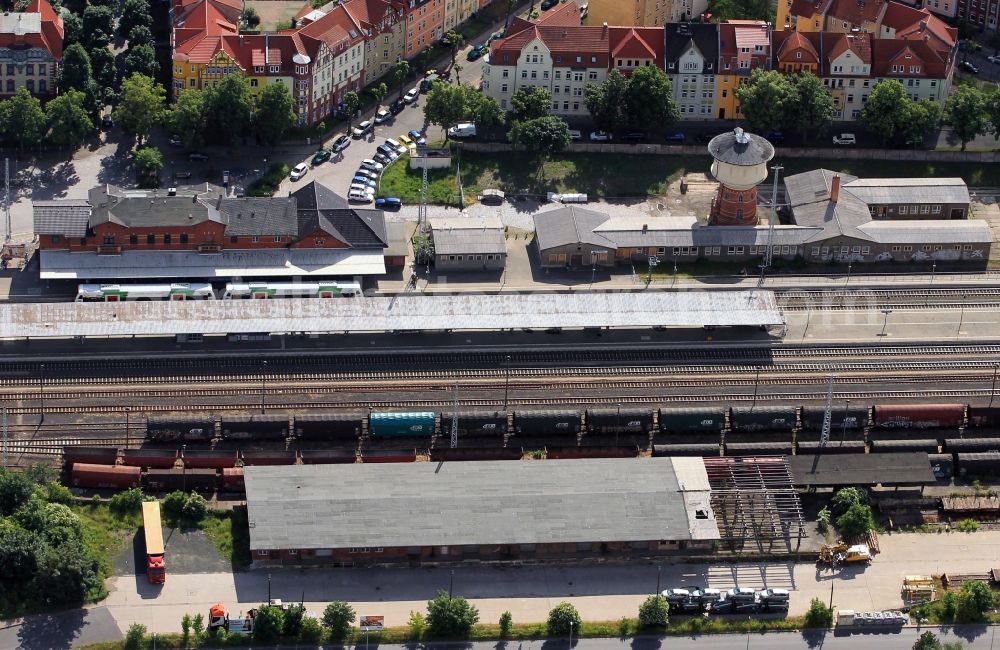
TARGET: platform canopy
(831,470)
(398,313)
(228,264)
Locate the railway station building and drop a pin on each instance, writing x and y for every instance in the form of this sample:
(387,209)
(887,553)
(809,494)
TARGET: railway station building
(504,511)
(200,232)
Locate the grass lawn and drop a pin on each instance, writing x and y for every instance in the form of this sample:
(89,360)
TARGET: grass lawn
(230,532)
(626,175)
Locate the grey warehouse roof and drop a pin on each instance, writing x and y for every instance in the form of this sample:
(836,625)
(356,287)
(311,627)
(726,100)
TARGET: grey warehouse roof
(569,225)
(68,217)
(492,502)
(877,191)
(382,314)
(466,235)
(738,147)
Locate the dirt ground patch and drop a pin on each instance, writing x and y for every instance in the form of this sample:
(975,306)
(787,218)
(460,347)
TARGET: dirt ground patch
(274,13)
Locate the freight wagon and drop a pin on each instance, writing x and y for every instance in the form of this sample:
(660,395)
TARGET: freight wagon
(919,416)
(833,447)
(971,445)
(476,453)
(168,480)
(269,457)
(148,457)
(547,423)
(750,419)
(692,420)
(105,476)
(901,446)
(758,448)
(983,417)
(479,424)
(255,427)
(327,457)
(329,426)
(851,420)
(619,420)
(209,458)
(402,425)
(592,451)
(90,455)
(978,464)
(705,450)
(943,465)
(194,429)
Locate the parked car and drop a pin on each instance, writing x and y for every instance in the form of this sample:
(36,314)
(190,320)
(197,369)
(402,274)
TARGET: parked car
(388,203)
(362,128)
(548,4)
(575,134)
(197,156)
(477,51)
(404,139)
(382,158)
(298,171)
(775,136)
(845,139)
(993,58)
(417,136)
(321,157)
(600,136)
(367,173)
(411,95)
(400,149)
(363,180)
(374,166)
(383,116)
(175,141)
(968,66)
(387,151)
(362,187)
(107,122)
(360,196)
(463,130)
(677,137)
(340,144)
(634,136)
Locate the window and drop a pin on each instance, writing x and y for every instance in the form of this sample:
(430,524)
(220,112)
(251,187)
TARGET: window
(319,241)
(902,209)
(150,239)
(814,251)
(184,238)
(907,249)
(555,106)
(505,74)
(936,209)
(895,249)
(132,239)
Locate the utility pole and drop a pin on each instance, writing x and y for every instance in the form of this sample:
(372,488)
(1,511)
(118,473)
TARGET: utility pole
(768,257)
(422,210)
(506,386)
(6,196)
(827,414)
(263,384)
(454,420)
(41,392)
(5,437)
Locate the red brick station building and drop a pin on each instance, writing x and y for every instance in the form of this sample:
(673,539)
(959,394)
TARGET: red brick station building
(199,232)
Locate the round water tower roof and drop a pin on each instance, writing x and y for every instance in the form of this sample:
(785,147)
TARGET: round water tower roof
(737,147)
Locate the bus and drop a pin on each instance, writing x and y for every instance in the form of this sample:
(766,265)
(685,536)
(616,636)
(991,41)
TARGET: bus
(156,568)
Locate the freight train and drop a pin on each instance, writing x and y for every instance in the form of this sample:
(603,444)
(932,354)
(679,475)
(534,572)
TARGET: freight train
(700,421)
(205,291)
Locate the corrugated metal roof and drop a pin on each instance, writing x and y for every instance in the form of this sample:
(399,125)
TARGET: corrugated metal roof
(489,502)
(380,314)
(909,190)
(957,231)
(68,217)
(274,263)
(464,235)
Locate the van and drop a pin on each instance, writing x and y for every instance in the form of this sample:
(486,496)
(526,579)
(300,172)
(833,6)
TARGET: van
(463,130)
(845,139)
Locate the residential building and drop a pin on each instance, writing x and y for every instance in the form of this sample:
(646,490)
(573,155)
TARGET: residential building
(449,512)
(692,63)
(644,13)
(424,24)
(383,26)
(744,46)
(467,244)
(31,44)
(981,13)
(457,12)
(198,231)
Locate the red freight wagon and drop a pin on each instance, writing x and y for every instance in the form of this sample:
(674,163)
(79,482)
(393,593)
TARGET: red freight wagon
(105,476)
(919,416)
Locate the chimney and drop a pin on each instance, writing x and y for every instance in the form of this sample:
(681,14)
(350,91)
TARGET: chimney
(645,227)
(835,188)
(605,30)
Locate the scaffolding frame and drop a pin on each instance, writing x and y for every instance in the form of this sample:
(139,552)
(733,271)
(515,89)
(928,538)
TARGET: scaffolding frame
(756,504)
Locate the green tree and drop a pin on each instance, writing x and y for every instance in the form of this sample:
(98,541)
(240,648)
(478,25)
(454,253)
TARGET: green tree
(133,14)
(725,10)
(886,110)
(423,248)
(445,105)
(72,28)
(69,123)
(66,573)
(229,109)
(17,554)
(311,631)
(481,109)
(857,521)
(927,641)
(379,92)
(140,35)
(15,490)
(506,624)
(186,117)
(268,623)
(606,101)
(924,116)
(135,635)
(563,618)
(398,74)
(98,25)
(967,112)
(185,630)
(195,507)
(294,616)
(198,626)
(23,118)
(275,113)
(416,625)
(975,600)
(338,617)
(352,102)
(530,102)
(127,502)
(450,617)
(654,612)
(818,615)
(993,112)
(542,136)
(173,504)
(810,108)
(949,606)
(649,99)
(148,164)
(141,59)
(845,498)
(142,106)
(102,63)
(766,99)
(453,41)
(76,71)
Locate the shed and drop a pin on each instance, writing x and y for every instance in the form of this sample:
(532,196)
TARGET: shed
(468,243)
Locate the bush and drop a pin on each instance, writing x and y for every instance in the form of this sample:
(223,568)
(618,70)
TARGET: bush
(967,526)
(173,504)
(921,612)
(338,618)
(819,615)
(927,641)
(857,521)
(194,508)
(127,502)
(311,631)
(451,617)
(185,630)
(654,612)
(949,606)
(506,623)
(563,619)
(268,623)
(135,636)
(416,625)
(845,498)
(975,600)
(268,184)
(823,519)
(293,620)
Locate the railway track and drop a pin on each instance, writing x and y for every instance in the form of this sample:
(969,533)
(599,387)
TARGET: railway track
(54,446)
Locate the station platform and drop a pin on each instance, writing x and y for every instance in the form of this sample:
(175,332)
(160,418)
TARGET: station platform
(435,313)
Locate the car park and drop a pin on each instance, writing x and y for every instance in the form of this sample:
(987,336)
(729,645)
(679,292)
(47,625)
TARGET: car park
(677,137)
(362,128)
(476,52)
(373,165)
(417,136)
(298,171)
(463,130)
(600,136)
(360,196)
(321,157)
(367,173)
(845,139)
(411,95)
(388,203)
(340,144)
(197,156)
(400,149)
(969,66)
(383,116)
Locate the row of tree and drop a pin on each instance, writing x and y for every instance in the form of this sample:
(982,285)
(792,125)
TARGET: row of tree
(771,100)
(973,111)
(449,104)
(643,101)
(64,122)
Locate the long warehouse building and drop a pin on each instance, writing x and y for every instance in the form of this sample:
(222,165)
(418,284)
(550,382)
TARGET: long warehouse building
(427,513)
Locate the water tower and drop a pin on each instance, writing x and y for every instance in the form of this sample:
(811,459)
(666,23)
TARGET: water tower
(740,165)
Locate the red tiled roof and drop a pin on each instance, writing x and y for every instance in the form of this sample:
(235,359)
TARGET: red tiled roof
(807,8)
(859,43)
(565,14)
(562,41)
(857,12)
(914,24)
(751,34)
(334,29)
(636,43)
(787,44)
(50,34)
(888,52)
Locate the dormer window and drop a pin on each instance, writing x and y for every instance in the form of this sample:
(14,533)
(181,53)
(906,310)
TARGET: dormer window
(798,55)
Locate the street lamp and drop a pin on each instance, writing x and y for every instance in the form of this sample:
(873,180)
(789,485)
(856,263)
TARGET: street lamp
(593,265)
(506,386)
(263,381)
(269,588)
(933,270)
(659,569)
(843,429)
(885,323)
(849,265)
(653,263)
(451,584)
(184,466)
(961,317)
(571,634)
